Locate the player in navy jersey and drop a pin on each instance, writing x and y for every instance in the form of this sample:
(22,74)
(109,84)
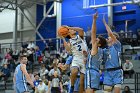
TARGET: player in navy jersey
(21,77)
(113,75)
(77,46)
(95,57)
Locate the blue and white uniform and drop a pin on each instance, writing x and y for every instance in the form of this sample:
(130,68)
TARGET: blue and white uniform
(21,83)
(113,73)
(78,45)
(92,76)
(77,82)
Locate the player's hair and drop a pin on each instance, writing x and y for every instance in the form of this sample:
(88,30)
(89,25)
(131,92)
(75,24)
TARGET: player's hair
(102,41)
(116,35)
(22,56)
(68,37)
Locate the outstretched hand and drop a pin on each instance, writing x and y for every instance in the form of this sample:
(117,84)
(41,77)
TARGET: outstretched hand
(95,16)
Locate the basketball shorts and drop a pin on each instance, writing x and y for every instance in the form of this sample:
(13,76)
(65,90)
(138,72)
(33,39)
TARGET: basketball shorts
(112,78)
(21,87)
(92,79)
(79,63)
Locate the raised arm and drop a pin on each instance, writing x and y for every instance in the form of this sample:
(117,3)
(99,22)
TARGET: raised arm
(79,30)
(109,31)
(66,44)
(93,35)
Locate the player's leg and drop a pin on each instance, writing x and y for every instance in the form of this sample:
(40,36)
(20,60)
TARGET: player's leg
(92,80)
(74,72)
(117,88)
(89,90)
(81,90)
(118,80)
(108,83)
(26,92)
(82,76)
(107,89)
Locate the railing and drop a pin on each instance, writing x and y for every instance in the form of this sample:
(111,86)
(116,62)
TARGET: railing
(137,82)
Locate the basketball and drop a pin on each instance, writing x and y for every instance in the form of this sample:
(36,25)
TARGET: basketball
(63,31)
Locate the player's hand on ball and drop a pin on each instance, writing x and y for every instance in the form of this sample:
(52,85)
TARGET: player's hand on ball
(60,36)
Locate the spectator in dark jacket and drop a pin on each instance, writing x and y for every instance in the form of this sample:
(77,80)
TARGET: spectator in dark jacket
(5,72)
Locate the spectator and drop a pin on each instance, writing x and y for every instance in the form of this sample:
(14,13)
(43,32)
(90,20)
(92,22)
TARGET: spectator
(61,48)
(52,46)
(15,55)
(46,50)
(41,88)
(63,54)
(38,54)
(8,56)
(127,90)
(36,81)
(31,45)
(55,68)
(24,44)
(128,69)
(5,72)
(43,71)
(30,58)
(55,82)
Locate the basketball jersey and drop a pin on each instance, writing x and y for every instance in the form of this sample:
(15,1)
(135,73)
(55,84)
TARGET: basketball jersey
(94,61)
(112,54)
(78,45)
(20,77)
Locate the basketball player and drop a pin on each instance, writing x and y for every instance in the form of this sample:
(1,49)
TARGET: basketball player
(95,57)
(64,67)
(77,46)
(21,77)
(113,75)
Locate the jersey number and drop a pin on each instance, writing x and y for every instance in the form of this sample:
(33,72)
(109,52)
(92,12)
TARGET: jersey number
(79,48)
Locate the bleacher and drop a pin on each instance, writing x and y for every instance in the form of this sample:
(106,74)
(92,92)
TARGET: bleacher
(127,82)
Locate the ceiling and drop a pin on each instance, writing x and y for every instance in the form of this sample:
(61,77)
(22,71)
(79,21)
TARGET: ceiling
(11,4)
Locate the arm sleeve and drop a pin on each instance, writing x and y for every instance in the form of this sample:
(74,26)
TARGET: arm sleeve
(69,60)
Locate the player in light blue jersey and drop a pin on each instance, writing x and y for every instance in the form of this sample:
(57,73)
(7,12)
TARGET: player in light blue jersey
(95,57)
(113,76)
(21,77)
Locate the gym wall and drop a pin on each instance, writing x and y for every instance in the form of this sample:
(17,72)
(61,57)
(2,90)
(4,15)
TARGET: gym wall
(73,14)
(131,13)
(7,25)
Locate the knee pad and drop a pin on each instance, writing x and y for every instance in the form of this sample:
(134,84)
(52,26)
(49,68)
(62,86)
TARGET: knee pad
(107,89)
(117,85)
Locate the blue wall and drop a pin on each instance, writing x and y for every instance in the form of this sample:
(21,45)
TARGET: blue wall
(131,13)
(73,14)
(48,27)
